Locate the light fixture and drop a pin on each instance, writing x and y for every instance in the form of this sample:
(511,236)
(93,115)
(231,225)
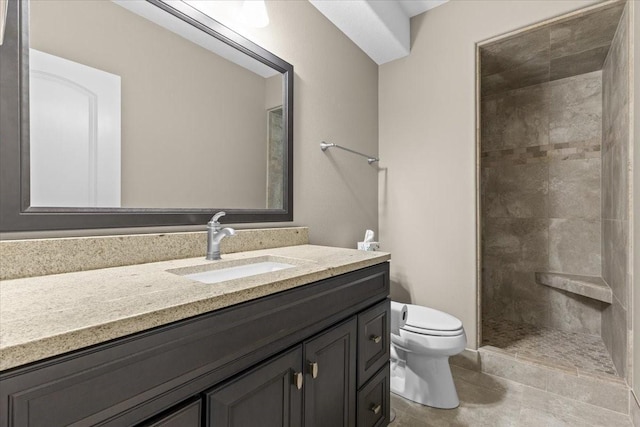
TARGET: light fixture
(254,13)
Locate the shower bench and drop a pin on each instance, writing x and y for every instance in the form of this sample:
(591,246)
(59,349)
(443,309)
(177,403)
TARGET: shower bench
(593,287)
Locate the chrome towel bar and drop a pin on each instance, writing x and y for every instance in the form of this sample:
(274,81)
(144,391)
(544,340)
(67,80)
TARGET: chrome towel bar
(370,159)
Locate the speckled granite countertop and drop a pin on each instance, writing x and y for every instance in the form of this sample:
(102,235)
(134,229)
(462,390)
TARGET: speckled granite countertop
(46,316)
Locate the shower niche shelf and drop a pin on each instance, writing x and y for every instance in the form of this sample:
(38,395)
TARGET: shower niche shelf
(593,287)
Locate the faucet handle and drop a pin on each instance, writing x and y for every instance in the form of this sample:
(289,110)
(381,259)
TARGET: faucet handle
(217,216)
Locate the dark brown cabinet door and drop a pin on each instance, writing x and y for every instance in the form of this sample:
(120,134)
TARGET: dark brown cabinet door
(186,416)
(330,377)
(266,396)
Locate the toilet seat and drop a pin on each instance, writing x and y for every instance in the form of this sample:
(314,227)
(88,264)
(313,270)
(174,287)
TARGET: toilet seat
(428,321)
(433,332)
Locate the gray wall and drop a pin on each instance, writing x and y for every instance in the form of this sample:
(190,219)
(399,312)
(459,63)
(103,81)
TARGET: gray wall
(336,99)
(541,200)
(616,244)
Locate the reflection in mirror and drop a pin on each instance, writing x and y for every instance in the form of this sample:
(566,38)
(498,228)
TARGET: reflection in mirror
(131,108)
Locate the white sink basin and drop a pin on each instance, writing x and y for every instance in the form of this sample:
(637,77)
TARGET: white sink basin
(237,272)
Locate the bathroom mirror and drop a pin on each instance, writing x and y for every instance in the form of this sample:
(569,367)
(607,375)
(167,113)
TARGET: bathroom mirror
(139,113)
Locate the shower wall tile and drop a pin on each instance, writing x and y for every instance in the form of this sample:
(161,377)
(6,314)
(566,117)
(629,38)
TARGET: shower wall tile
(576,123)
(616,73)
(514,51)
(585,90)
(576,109)
(516,191)
(525,117)
(607,113)
(574,313)
(567,48)
(615,102)
(531,73)
(614,335)
(526,180)
(586,32)
(581,62)
(515,296)
(616,319)
(491,134)
(615,243)
(563,111)
(542,154)
(574,189)
(518,118)
(516,243)
(607,179)
(497,296)
(574,246)
(615,173)
(530,300)
(576,129)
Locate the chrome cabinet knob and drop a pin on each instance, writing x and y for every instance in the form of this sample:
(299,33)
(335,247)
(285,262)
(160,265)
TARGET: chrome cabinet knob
(375,338)
(376,408)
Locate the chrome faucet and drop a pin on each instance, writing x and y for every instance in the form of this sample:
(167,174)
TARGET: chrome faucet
(215,233)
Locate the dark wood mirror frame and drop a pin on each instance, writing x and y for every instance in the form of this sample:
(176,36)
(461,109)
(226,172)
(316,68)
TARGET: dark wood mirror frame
(16,214)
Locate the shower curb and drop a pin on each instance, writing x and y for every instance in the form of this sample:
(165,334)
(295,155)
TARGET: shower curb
(603,391)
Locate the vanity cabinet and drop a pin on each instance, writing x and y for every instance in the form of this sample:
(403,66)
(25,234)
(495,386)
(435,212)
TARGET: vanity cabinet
(245,360)
(318,375)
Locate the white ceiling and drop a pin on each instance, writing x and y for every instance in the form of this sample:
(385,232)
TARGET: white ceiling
(416,7)
(379,27)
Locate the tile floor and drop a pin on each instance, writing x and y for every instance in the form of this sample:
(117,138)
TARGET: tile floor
(582,351)
(486,400)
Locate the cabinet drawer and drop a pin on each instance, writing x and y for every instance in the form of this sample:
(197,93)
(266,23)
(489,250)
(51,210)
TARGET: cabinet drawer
(373,340)
(186,416)
(374,400)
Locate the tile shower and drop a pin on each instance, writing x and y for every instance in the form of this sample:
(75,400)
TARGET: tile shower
(554,195)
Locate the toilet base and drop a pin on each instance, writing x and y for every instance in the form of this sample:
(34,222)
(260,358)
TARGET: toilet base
(424,380)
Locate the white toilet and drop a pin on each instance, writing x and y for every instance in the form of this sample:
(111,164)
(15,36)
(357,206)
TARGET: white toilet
(420,357)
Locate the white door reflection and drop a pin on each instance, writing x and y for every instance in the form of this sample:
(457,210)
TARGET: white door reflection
(74,134)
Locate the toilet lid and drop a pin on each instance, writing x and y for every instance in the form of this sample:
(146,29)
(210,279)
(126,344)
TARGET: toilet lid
(428,321)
